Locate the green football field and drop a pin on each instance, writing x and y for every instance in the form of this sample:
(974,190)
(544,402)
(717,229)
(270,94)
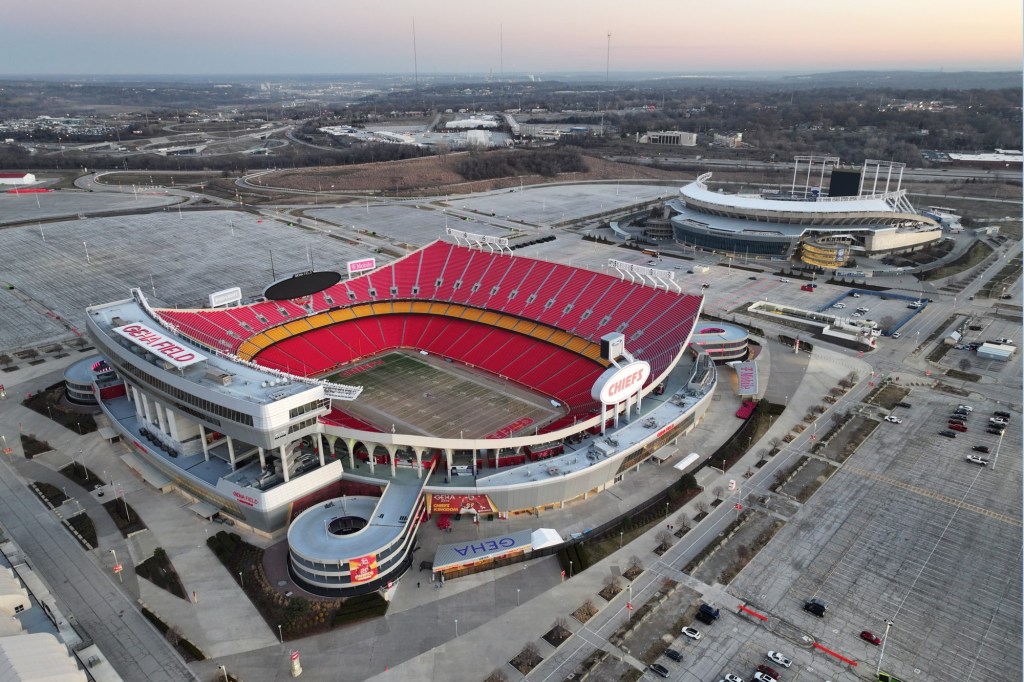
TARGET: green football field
(428,396)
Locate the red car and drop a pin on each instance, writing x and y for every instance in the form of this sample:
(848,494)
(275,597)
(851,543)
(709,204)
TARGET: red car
(768,670)
(958,427)
(869,636)
(807,287)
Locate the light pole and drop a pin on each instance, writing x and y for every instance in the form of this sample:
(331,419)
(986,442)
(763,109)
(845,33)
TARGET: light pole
(223,669)
(885,638)
(666,510)
(517,596)
(570,568)
(998,445)
(241,580)
(456,628)
(621,533)
(116,566)
(280,635)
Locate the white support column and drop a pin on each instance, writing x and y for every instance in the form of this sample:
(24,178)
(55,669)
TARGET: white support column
(391,453)
(448,464)
(263,459)
(146,410)
(161,418)
(137,400)
(351,453)
(284,463)
(604,419)
(206,446)
(419,462)
(320,443)
(615,415)
(231,452)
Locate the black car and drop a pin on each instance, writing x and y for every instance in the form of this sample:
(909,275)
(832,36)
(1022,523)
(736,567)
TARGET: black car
(902,404)
(658,669)
(816,606)
(948,434)
(981,448)
(994,431)
(1004,415)
(751,277)
(673,654)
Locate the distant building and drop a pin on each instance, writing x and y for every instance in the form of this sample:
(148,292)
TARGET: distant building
(670,137)
(17,179)
(733,140)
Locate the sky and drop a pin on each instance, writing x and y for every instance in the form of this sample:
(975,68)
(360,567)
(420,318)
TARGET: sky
(518,37)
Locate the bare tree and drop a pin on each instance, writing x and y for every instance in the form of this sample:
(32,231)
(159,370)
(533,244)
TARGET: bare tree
(683,522)
(664,539)
(702,506)
(611,581)
(561,622)
(718,491)
(853,377)
(964,364)
(636,563)
(742,551)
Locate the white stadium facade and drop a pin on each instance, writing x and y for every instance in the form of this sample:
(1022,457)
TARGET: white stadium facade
(825,217)
(304,416)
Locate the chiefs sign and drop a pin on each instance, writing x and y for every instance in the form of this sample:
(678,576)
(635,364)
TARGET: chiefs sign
(619,383)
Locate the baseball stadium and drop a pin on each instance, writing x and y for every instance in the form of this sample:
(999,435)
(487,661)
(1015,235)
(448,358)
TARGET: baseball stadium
(454,380)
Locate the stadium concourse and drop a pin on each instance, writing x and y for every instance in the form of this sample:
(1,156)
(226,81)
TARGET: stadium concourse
(240,407)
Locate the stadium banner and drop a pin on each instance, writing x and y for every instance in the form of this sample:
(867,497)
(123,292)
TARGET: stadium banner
(459,504)
(362,569)
(619,383)
(361,265)
(160,345)
(226,297)
(746,373)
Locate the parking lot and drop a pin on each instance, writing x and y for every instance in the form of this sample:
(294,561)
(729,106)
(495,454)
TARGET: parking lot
(907,530)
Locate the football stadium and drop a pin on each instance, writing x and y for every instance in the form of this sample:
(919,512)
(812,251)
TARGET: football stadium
(455,380)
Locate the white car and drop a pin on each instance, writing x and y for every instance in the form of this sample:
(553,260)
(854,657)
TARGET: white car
(974,459)
(729,677)
(839,305)
(784,280)
(763,677)
(967,408)
(998,421)
(855,295)
(692,633)
(894,420)
(780,659)
(896,335)
(857,315)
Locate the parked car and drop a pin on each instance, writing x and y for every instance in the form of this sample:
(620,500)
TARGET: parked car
(768,670)
(948,434)
(957,420)
(817,606)
(1004,415)
(751,277)
(764,677)
(729,677)
(692,632)
(965,407)
(658,669)
(958,427)
(674,655)
(901,404)
(839,305)
(855,295)
(995,431)
(780,659)
(896,335)
(857,315)
(981,448)
(869,636)
(894,420)
(974,459)
(806,287)
(784,280)
(997,421)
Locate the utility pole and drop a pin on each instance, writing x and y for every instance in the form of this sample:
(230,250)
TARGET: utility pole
(608,59)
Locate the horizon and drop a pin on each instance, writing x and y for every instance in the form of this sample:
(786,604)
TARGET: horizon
(229,38)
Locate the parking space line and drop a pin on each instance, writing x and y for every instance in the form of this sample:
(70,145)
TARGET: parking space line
(936,496)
